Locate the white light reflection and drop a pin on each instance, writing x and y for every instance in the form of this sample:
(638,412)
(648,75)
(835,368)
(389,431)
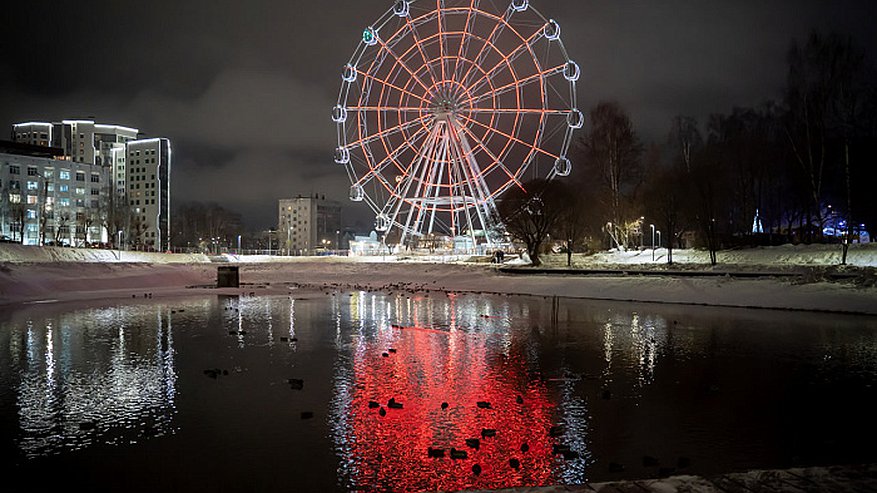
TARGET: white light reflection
(103,376)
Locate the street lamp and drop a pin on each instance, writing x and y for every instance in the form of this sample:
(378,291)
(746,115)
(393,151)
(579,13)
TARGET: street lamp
(119,243)
(659,239)
(653,241)
(239,244)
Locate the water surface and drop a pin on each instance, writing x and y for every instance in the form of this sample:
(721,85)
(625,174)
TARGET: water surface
(194,394)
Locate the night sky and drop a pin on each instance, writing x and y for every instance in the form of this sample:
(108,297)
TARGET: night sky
(244,89)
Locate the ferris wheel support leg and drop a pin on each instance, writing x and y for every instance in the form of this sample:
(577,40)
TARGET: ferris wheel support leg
(394,204)
(483,203)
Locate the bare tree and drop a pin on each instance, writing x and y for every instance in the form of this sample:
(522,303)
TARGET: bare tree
(612,153)
(531,213)
(62,224)
(114,211)
(685,139)
(572,227)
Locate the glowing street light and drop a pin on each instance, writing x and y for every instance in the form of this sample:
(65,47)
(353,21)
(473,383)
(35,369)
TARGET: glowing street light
(653,241)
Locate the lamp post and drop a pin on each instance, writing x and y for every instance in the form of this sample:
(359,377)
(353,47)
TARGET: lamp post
(653,241)
(659,239)
(119,243)
(239,244)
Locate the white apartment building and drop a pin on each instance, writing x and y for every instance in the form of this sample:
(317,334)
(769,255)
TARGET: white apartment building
(44,200)
(135,171)
(309,224)
(148,178)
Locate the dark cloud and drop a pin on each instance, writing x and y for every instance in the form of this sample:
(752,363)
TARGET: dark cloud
(244,88)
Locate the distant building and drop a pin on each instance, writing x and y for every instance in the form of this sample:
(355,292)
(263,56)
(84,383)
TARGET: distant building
(307,225)
(44,199)
(148,177)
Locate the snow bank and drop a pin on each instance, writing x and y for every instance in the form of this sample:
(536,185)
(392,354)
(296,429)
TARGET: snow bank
(859,255)
(10,252)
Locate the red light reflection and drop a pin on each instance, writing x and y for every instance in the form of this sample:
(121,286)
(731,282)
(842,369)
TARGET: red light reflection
(431,367)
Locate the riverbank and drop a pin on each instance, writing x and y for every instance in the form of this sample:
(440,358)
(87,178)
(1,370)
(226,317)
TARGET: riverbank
(58,282)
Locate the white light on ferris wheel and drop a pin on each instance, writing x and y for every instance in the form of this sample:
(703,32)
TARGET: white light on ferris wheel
(520,5)
(402,8)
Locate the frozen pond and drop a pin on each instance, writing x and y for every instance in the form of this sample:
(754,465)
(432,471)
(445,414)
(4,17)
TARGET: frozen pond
(203,393)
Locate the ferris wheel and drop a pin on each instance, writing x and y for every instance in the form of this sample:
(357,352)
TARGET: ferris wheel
(447,104)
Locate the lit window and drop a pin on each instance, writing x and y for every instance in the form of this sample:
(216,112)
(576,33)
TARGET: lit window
(65,175)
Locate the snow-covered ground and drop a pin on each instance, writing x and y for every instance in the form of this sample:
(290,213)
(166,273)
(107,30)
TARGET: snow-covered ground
(29,274)
(779,257)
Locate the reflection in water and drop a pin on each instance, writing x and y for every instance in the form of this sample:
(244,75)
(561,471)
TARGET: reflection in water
(93,376)
(590,388)
(456,352)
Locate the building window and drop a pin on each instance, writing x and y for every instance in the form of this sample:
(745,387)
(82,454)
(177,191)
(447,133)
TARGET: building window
(31,214)
(80,176)
(32,199)
(65,175)
(95,191)
(32,171)
(32,185)
(14,170)
(64,202)
(64,188)
(95,178)
(80,191)
(48,173)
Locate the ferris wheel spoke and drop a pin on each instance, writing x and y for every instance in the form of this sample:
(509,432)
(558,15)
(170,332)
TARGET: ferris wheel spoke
(508,60)
(387,109)
(402,64)
(464,45)
(415,35)
(502,23)
(496,161)
(441,34)
(474,179)
(375,171)
(511,137)
(391,85)
(489,41)
(518,111)
(387,132)
(537,77)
